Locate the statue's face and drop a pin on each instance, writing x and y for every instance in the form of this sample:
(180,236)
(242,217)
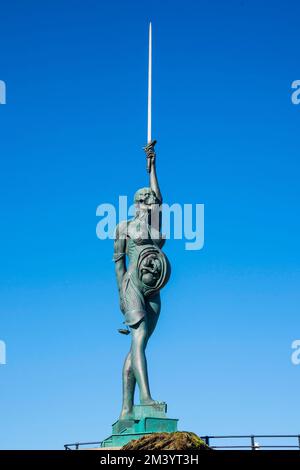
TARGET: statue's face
(144,198)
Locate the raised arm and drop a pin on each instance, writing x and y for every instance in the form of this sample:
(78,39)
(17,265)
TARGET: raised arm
(151,167)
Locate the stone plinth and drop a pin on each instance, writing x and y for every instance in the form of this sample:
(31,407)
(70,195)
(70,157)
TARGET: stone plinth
(147,419)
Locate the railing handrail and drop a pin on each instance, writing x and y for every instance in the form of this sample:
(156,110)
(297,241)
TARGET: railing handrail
(253,445)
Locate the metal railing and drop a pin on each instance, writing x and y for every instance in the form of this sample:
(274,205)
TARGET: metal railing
(252,442)
(78,445)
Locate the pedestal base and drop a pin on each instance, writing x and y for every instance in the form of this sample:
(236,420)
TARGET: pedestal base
(146,420)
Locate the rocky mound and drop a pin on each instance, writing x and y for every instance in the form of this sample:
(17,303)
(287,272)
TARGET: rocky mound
(168,441)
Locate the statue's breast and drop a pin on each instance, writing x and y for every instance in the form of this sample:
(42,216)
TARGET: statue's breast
(141,233)
(138,232)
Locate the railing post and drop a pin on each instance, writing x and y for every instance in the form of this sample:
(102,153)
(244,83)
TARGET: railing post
(77,446)
(299,440)
(206,438)
(252,442)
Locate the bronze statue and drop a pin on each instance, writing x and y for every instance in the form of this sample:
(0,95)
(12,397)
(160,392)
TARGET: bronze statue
(139,283)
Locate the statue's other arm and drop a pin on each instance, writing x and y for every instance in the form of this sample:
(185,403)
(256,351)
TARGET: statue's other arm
(120,255)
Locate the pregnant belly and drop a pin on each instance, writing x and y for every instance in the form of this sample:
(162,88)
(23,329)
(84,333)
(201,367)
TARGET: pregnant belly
(153,270)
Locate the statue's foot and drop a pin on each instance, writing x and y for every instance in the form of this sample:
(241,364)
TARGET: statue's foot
(149,401)
(126,413)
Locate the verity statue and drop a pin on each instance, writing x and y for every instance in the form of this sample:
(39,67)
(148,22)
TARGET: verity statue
(139,282)
(142,270)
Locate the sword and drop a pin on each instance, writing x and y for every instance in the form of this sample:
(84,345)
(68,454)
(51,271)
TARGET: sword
(149,86)
(150,143)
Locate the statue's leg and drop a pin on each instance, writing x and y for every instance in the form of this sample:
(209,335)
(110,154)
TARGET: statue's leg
(153,306)
(128,388)
(140,336)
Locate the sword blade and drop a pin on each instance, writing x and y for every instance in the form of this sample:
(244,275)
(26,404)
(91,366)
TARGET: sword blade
(150,86)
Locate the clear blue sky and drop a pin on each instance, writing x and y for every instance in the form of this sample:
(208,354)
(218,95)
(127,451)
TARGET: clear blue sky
(71,137)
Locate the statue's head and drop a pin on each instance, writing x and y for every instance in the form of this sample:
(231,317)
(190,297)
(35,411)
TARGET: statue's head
(144,198)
